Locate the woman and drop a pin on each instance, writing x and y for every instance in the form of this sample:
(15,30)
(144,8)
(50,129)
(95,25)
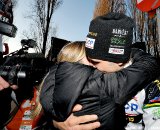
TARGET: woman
(73,83)
(71,52)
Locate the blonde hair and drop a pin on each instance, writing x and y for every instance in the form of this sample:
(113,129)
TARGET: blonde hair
(38,108)
(71,52)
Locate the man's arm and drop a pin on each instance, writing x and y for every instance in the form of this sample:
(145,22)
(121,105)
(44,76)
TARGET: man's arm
(126,83)
(76,123)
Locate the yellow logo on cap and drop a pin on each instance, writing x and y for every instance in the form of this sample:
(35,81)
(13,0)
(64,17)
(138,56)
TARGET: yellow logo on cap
(92,34)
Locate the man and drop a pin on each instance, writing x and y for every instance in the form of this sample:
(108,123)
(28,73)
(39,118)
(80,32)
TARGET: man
(108,47)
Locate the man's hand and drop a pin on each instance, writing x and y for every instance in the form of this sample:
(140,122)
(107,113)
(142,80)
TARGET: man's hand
(4,84)
(74,122)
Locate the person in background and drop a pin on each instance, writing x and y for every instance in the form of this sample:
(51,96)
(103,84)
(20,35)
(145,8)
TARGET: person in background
(108,48)
(142,110)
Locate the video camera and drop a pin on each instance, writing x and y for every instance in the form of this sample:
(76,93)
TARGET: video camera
(23,68)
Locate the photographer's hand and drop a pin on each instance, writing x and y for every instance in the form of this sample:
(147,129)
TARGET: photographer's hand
(4,84)
(75,123)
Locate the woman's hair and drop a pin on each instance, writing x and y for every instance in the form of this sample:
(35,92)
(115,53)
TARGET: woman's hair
(71,52)
(38,108)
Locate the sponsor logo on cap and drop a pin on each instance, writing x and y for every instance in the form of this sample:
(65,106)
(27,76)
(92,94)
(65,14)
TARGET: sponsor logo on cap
(122,32)
(116,51)
(90,43)
(92,34)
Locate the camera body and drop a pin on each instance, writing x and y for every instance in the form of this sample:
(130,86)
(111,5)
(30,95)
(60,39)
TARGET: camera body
(26,69)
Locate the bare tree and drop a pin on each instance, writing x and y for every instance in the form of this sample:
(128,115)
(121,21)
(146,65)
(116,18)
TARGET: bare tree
(42,12)
(146,28)
(105,6)
(102,7)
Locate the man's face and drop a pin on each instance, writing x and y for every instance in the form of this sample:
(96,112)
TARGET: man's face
(105,66)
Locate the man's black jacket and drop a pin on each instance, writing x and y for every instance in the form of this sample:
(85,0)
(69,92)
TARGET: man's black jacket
(68,84)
